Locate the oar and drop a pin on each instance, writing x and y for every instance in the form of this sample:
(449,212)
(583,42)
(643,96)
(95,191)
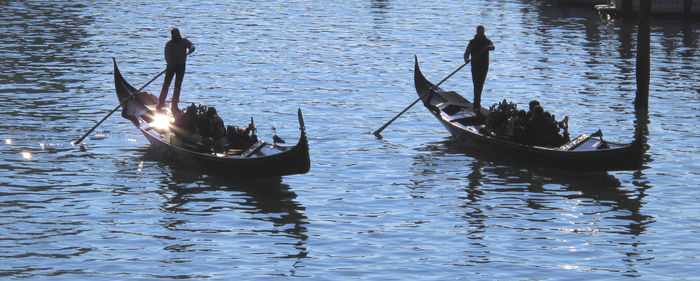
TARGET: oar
(377,132)
(116,108)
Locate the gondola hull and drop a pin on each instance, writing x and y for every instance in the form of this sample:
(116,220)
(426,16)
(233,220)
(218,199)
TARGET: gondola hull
(584,153)
(263,159)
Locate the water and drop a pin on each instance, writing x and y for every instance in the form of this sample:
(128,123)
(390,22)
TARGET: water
(410,206)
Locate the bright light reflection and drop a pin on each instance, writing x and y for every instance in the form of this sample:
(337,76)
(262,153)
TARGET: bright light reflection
(43,146)
(8,141)
(161,122)
(27,155)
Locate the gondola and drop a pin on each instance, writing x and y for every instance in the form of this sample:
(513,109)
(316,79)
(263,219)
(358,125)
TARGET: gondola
(583,153)
(258,159)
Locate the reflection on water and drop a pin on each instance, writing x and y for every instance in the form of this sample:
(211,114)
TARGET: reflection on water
(209,217)
(262,196)
(46,76)
(411,206)
(516,201)
(485,171)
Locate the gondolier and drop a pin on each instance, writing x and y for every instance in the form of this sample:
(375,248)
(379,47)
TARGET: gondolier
(478,50)
(176,51)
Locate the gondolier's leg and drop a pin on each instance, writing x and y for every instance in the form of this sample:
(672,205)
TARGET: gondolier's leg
(166,85)
(180,75)
(478,77)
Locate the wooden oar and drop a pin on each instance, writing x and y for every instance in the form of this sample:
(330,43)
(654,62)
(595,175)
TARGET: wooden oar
(377,133)
(116,108)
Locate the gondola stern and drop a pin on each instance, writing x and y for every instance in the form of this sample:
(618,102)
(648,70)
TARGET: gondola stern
(302,127)
(302,147)
(118,78)
(417,74)
(123,88)
(303,142)
(303,139)
(415,65)
(639,148)
(421,83)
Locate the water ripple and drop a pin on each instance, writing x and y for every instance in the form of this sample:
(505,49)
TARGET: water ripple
(410,206)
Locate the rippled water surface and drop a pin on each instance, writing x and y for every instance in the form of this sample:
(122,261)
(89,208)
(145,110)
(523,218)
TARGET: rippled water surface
(412,206)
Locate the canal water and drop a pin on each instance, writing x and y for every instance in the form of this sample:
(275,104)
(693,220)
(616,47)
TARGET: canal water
(411,206)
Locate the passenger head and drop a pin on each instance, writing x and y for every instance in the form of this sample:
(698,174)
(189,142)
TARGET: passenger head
(211,111)
(533,104)
(539,110)
(480,30)
(175,34)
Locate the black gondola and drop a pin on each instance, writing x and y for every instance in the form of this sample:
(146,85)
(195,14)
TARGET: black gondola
(259,159)
(583,153)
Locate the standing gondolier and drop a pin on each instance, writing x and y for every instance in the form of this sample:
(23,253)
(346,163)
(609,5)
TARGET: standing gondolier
(176,51)
(478,49)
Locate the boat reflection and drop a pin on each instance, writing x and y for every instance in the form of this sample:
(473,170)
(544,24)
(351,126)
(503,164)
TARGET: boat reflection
(195,189)
(539,210)
(484,174)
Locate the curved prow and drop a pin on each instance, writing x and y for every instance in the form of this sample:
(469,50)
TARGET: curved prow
(123,88)
(133,101)
(303,141)
(301,121)
(302,147)
(422,84)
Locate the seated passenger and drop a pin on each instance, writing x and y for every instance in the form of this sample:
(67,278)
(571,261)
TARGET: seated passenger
(537,129)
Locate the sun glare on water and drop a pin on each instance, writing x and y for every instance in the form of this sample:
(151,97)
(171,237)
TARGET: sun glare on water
(161,122)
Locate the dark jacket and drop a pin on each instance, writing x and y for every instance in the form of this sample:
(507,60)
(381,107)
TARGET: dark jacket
(476,45)
(177,48)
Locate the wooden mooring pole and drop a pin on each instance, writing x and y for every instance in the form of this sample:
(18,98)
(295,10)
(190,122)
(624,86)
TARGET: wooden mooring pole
(643,56)
(627,11)
(687,6)
(641,101)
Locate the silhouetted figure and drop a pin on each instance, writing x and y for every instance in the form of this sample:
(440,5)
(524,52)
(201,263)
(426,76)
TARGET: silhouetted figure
(176,51)
(478,49)
(538,128)
(531,109)
(543,129)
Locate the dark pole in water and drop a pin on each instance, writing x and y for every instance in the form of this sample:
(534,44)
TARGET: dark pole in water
(687,5)
(641,102)
(643,60)
(627,9)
